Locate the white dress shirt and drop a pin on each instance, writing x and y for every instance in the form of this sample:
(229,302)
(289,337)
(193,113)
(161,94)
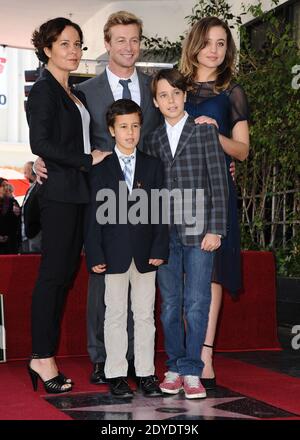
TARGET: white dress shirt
(122,164)
(117,88)
(174,133)
(85,117)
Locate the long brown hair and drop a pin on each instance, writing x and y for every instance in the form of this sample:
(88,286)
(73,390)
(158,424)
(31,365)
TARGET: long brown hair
(195,41)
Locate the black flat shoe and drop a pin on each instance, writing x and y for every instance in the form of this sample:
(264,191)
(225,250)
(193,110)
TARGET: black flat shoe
(209,384)
(149,386)
(119,387)
(98,376)
(52,386)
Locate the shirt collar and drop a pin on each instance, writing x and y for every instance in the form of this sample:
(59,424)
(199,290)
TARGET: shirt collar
(179,125)
(120,154)
(114,79)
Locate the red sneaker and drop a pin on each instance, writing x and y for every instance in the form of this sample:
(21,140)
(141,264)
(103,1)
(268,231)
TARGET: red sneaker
(172,383)
(193,388)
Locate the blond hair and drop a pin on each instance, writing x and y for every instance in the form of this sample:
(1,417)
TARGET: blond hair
(121,17)
(195,41)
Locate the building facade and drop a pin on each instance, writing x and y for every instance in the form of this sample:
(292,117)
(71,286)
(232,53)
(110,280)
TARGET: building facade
(160,17)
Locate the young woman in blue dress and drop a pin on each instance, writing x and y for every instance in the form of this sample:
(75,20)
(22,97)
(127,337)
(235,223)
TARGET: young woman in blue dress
(208,61)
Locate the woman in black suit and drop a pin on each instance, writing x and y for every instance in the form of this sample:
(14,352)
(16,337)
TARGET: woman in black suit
(59,133)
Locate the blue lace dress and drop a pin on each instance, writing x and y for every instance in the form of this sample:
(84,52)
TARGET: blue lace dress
(227,108)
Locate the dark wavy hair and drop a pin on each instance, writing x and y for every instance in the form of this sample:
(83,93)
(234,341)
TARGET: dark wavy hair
(174,78)
(195,41)
(48,33)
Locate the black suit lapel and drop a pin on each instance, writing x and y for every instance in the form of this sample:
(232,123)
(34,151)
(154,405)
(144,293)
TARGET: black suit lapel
(115,167)
(139,172)
(66,101)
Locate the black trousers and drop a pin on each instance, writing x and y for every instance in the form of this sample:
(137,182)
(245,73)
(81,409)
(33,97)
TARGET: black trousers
(62,240)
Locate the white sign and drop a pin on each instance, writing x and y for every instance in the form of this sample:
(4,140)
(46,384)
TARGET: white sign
(3,79)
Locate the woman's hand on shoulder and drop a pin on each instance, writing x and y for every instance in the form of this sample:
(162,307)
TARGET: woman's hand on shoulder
(39,168)
(98,156)
(206,120)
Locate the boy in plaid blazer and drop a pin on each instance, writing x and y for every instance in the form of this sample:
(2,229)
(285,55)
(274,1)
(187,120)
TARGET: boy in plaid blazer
(194,163)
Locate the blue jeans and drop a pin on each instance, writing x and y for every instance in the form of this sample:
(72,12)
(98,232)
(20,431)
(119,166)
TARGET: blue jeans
(185,287)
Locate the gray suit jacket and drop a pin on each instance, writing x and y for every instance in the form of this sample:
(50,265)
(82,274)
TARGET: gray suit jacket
(99,97)
(199,163)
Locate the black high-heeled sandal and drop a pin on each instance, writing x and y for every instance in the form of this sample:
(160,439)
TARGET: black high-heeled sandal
(209,383)
(52,386)
(65,379)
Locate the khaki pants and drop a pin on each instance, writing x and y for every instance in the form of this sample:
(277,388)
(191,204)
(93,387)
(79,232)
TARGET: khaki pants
(115,324)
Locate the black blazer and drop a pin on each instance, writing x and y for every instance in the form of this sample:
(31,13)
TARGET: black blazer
(117,244)
(55,131)
(31,212)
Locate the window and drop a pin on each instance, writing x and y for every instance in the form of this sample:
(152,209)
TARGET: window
(288,12)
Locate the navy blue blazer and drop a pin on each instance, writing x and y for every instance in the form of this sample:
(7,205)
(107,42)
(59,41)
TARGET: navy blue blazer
(117,244)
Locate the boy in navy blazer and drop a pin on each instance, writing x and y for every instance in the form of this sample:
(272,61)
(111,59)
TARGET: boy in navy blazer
(127,248)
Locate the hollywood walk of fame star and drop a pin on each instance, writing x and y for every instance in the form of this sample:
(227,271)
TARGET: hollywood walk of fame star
(142,408)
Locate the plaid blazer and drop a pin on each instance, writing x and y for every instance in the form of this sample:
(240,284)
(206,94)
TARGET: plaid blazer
(199,163)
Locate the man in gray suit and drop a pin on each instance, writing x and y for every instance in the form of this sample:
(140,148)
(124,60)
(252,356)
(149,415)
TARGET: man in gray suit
(122,37)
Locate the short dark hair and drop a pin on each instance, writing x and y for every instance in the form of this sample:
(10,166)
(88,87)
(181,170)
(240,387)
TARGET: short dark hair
(48,33)
(2,180)
(122,107)
(174,78)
